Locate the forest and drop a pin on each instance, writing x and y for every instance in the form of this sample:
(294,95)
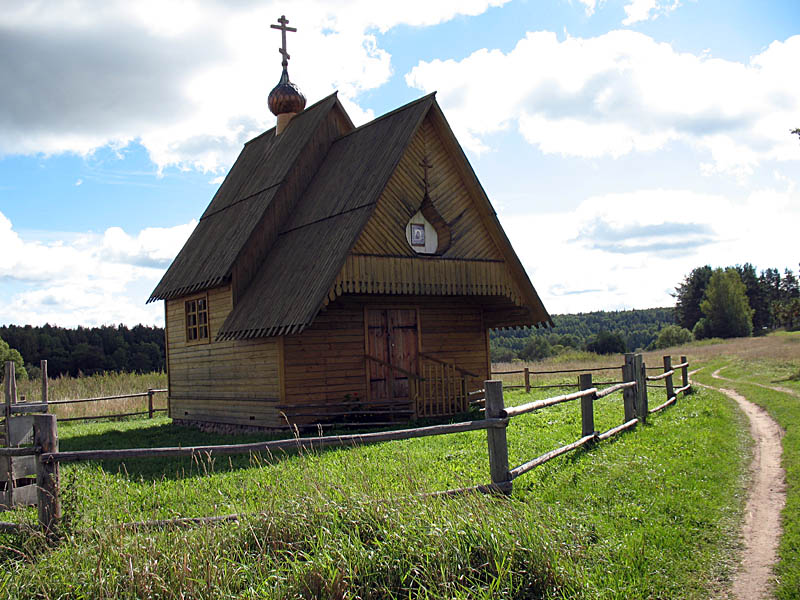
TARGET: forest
(599,331)
(87,350)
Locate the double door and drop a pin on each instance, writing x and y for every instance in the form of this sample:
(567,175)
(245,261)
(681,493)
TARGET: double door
(393,351)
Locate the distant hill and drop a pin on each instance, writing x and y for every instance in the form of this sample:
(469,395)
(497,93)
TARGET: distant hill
(637,328)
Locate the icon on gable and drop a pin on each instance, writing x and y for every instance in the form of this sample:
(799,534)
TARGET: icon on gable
(418,234)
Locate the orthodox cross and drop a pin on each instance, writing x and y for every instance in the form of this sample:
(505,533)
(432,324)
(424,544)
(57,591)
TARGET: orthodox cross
(283,22)
(425,164)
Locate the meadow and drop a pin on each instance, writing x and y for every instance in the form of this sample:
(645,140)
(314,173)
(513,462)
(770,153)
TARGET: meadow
(96,386)
(654,512)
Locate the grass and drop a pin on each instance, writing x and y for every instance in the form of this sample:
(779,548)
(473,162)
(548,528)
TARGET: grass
(652,513)
(752,377)
(95,386)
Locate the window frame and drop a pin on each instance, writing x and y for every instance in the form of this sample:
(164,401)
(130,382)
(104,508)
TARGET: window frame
(201,320)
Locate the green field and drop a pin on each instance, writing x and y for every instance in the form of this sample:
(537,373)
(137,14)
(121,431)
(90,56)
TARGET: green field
(654,512)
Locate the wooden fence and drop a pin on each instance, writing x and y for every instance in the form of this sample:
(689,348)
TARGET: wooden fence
(20,406)
(496,420)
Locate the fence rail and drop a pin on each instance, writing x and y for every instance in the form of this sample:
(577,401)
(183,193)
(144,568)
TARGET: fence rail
(497,419)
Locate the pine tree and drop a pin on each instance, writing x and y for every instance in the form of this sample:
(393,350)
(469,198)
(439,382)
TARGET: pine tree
(689,295)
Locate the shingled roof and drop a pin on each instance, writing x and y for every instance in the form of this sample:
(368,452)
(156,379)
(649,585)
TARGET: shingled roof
(289,289)
(254,180)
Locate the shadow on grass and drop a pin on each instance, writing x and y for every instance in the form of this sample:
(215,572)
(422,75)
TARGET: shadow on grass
(119,435)
(169,435)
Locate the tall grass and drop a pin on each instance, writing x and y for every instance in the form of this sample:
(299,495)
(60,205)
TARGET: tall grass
(96,386)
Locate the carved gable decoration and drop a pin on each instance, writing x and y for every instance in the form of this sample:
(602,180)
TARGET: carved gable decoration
(426,231)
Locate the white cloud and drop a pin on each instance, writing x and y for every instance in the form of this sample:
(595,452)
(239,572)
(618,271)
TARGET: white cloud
(189,79)
(630,250)
(645,10)
(623,92)
(590,6)
(88,279)
(639,10)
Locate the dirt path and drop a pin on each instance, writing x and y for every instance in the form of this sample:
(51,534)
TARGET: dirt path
(774,388)
(766,498)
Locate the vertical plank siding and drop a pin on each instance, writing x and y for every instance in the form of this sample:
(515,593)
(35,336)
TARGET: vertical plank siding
(235,382)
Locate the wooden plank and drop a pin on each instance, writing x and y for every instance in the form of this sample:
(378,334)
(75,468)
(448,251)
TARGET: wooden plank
(20,430)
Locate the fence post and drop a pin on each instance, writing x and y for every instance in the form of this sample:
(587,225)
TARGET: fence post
(685,374)
(45,383)
(496,436)
(587,405)
(11,383)
(641,374)
(629,394)
(527,380)
(45,439)
(670,386)
(150,403)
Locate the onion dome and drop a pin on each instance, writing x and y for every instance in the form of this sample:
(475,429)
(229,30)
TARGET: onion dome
(286,97)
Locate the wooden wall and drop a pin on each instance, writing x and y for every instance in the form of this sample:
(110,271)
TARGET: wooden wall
(233,382)
(325,371)
(324,364)
(454,332)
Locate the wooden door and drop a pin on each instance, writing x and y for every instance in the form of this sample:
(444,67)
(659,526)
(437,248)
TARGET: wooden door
(392,339)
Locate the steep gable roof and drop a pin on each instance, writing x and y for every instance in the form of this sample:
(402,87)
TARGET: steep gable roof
(310,245)
(291,285)
(226,225)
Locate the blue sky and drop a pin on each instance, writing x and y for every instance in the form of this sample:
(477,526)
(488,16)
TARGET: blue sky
(622,142)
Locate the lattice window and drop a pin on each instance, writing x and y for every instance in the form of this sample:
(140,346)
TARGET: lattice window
(197,319)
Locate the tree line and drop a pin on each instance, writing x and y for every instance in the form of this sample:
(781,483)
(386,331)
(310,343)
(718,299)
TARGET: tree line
(86,350)
(604,332)
(737,301)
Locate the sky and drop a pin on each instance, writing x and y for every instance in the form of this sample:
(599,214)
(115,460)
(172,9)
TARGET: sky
(622,142)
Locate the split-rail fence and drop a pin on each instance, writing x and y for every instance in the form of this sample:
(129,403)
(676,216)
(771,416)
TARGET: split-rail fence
(496,420)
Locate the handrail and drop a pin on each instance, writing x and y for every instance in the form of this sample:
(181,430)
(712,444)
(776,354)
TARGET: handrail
(442,362)
(395,367)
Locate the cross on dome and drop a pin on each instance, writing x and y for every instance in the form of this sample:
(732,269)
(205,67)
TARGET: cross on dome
(283,28)
(285,100)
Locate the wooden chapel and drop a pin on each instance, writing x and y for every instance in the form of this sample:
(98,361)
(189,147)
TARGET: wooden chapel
(340,275)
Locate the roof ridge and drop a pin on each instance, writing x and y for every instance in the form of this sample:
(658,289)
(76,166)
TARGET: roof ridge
(388,114)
